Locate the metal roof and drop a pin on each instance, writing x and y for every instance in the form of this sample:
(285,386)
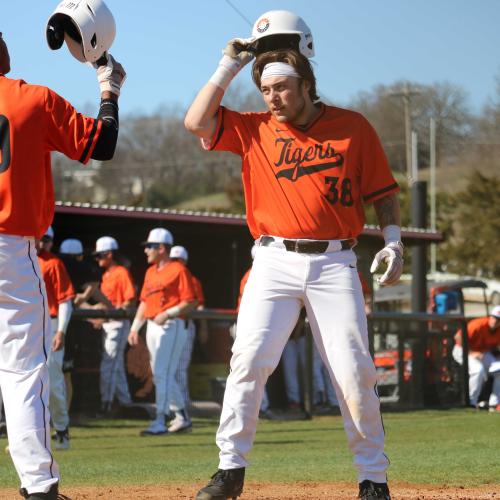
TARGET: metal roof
(105,210)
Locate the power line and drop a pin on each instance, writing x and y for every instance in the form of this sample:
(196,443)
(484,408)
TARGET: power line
(239,12)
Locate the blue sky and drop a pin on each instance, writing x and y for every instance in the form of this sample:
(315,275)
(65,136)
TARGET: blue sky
(170,49)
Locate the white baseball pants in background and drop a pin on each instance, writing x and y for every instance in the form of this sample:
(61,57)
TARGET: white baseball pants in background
(294,360)
(328,285)
(182,374)
(58,402)
(165,343)
(478,375)
(25,337)
(113,378)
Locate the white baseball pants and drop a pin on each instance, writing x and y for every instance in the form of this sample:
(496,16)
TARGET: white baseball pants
(328,285)
(25,338)
(478,374)
(58,402)
(182,374)
(293,359)
(165,343)
(113,378)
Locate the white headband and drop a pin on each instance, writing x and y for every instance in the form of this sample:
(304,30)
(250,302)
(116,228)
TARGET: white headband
(278,69)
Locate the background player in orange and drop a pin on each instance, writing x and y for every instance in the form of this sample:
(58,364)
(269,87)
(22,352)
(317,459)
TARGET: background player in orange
(179,254)
(307,170)
(60,294)
(166,296)
(484,351)
(118,287)
(34,121)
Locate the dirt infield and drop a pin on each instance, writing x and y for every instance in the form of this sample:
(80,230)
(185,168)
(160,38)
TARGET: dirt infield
(272,491)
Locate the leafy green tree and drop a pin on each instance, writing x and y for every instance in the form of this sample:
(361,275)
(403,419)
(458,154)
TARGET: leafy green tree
(470,220)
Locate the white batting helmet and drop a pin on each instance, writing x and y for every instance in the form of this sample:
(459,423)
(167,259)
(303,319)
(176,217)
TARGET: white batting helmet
(281,29)
(87,27)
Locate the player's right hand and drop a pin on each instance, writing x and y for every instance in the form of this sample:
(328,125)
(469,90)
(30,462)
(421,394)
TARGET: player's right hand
(133,338)
(111,76)
(238,48)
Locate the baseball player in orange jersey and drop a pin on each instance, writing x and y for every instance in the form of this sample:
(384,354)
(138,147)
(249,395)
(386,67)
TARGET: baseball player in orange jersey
(118,287)
(307,170)
(484,351)
(180,254)
(60,294)
(34,121)
(167,295)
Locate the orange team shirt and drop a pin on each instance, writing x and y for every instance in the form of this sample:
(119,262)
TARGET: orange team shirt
(306,183)
(117,285)
(481,338)
(34,121)
(198,291)
(57,281)
(166,287)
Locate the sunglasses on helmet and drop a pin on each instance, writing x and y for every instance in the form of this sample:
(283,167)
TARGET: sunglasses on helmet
(152,245)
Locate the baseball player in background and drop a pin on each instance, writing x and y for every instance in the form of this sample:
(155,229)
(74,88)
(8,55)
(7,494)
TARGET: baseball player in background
(180,254)
(60,294)
(307,170)
(34,121)
(118,287)
(166,296)
(484,352)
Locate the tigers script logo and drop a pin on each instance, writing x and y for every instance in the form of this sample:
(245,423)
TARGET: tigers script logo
(314,156)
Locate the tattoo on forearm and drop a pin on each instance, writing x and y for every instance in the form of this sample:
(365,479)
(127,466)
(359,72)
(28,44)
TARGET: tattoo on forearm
(387,209)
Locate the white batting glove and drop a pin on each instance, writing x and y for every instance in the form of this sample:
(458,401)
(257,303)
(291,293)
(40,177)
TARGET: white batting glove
(235,57)
(392,255)
(111,76)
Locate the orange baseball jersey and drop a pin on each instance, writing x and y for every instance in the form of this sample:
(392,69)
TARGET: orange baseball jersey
(57,281)
(166,287)
(481,338)
(34,121)
(306,183)
(117,285)
(198,291)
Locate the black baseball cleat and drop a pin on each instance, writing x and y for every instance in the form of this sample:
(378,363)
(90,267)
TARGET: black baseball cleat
(52,494)
(223,484)
(368,490)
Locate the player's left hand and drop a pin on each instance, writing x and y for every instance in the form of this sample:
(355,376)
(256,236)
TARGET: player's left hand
(161,318)
(57,341)
(392,255)
(111,76)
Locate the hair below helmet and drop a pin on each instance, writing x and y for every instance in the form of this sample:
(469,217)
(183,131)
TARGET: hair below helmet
(87,27)
(282,29)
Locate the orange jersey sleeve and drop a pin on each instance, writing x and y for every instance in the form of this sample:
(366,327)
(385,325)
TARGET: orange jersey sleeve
(117,285)
(198,291)
(57,281)
(166,287)
(306,183)
(33,122)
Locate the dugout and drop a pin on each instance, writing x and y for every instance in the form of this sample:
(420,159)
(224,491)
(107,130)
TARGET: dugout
(219,254)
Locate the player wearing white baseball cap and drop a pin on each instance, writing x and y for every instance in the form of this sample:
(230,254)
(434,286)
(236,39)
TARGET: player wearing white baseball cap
(484,342)
(118,287)
(166,296)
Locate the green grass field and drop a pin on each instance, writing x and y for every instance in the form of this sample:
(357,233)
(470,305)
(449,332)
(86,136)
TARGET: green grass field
(454,447)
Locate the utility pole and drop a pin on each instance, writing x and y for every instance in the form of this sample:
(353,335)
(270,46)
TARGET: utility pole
(432,166)
(406,93)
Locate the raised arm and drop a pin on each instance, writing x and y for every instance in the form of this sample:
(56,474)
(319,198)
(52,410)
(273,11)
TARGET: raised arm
(201,118)
(389,219)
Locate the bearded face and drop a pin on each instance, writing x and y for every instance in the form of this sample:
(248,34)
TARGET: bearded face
(4,57)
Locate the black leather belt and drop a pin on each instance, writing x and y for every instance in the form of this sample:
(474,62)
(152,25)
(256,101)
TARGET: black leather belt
(306,246)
